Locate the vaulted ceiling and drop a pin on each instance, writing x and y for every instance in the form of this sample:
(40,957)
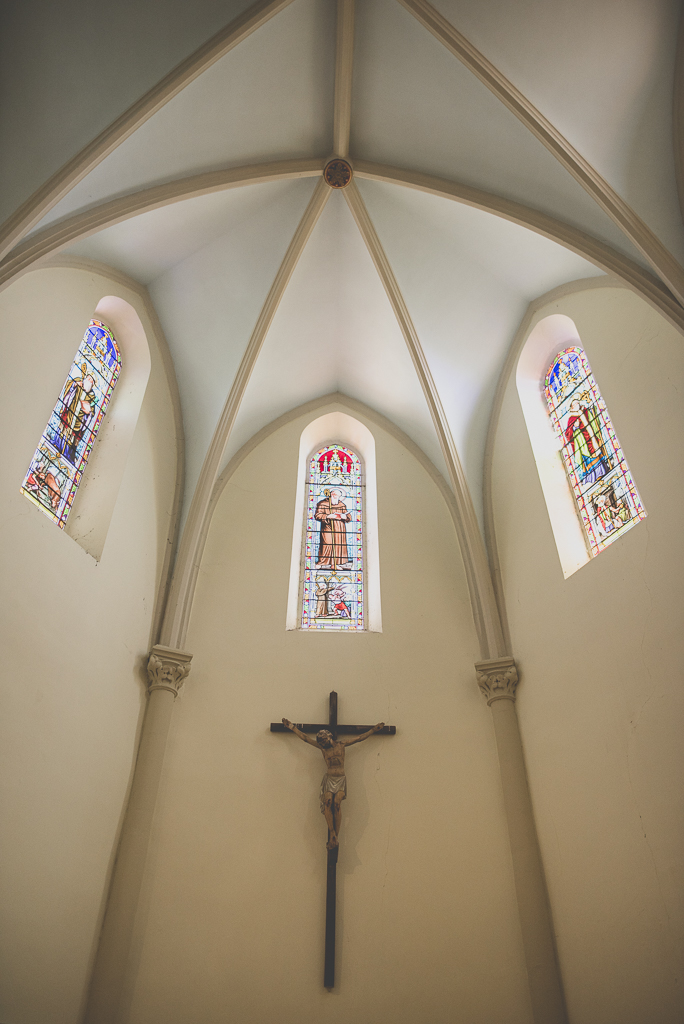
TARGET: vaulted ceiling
(601,73)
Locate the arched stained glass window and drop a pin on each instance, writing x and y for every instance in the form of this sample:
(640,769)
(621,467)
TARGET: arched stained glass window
(57,466)
(607,499)
(333,542)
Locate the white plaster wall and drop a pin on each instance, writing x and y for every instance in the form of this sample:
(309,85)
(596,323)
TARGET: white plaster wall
(427,918)
(601,699)
(74,635)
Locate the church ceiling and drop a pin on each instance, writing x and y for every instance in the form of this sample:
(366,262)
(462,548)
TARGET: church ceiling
(603,75)
(466,275)
(415,106)
(349,341)
(268,99)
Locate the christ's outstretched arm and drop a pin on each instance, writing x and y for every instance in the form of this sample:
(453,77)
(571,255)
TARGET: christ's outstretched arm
(302,735)
(364,735)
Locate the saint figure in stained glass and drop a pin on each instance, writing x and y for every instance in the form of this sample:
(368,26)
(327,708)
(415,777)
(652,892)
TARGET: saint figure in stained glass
(607,500)
(333,544)
(57,467)
(583,434)
(331,513)
(323,590)
(76,408)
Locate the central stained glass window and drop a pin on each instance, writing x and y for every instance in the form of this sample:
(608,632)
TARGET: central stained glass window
(607,500)
(333,542)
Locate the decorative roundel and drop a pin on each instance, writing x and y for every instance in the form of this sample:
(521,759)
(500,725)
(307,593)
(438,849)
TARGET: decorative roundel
(338,173)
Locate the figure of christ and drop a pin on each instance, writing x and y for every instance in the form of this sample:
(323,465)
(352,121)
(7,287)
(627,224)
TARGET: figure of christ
(334,782)
(332,514)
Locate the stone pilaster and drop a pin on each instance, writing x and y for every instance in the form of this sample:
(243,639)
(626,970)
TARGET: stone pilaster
(498,679)
(167,669)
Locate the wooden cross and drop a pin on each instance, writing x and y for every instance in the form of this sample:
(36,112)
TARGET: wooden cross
(331,888)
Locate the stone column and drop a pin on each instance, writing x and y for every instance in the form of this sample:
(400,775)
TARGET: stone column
(167,668)
(498,680)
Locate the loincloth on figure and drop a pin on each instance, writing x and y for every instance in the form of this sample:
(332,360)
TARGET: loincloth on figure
(332,784)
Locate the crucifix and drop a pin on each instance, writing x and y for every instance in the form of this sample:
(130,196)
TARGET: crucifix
(333,792)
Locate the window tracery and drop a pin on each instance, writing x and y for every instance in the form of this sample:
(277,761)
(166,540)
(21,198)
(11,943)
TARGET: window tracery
(57,466)
(333,588)
(606,497)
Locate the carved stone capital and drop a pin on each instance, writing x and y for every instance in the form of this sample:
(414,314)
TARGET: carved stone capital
(497,678)
(167,668)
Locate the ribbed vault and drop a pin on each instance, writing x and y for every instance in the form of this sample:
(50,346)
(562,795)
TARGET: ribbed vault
(507,161)
(203,190)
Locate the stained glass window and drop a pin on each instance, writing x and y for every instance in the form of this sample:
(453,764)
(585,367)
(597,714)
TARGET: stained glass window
(607,499)
(333,542)
(57,466)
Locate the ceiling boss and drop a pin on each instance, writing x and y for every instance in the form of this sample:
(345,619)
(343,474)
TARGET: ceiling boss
(338,173)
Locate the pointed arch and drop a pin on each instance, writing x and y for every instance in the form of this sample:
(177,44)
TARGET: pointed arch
(362,577)
(483,601)
(182,588)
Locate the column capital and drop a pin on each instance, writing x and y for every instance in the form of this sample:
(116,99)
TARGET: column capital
(167,668)
(497,678)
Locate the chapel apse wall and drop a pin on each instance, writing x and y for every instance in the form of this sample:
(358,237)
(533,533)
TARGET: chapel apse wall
(77,632)
(600,698)
(427,915)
